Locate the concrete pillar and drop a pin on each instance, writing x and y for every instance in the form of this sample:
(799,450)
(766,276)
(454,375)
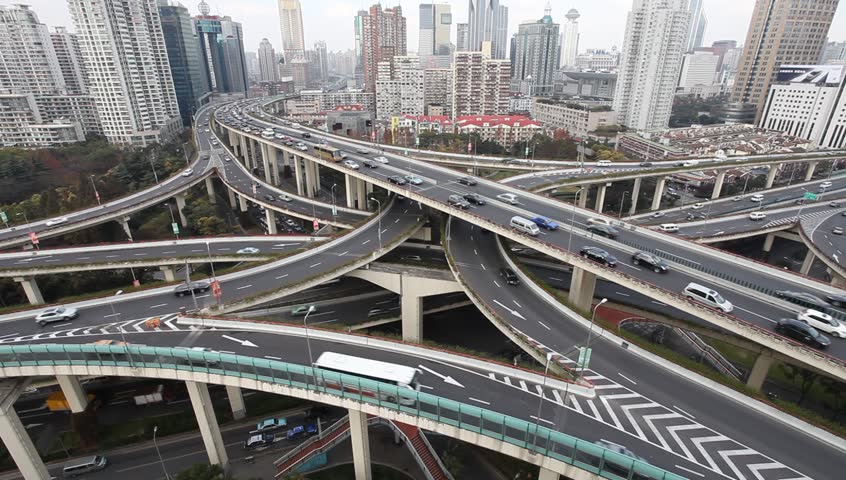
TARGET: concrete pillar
(759,372)
(244,157)
(360,444)
(242,202)
(124,222)
(231,137)
(180,205)
(169,273)
(768,242)
(837,280)
(233,202)
(600,197)
(274,164)
(582,285)
(73,391)
(547,474)
(659,192)
(361,194)
(806,265)
(316,168)
(33,293)
(17,440)
(583,195)
(270,217)
(718,185)
(298,174)
(349,183)
(210,190)
(635,195)
(412,311)
(210,431)
(812,166)
(236,402)
(771,175)
(309,178)
(265,162)
(254,153)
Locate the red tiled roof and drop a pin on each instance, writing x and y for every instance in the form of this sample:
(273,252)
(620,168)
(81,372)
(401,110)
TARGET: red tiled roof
(440,119)
(496,120)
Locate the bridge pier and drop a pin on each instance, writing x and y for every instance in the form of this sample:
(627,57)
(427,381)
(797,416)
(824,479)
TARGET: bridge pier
(124,222)
(360,444)
(254,153)
(242,202)
(809,173)
(659,192)
(582,200)
(209,429)
(180,205)
(236,402)
(233,202)
(837,280)
(244,157)
(718,185)
(265,162)
(33,293)
(210,190)
(806,265)
(582,286)
(169,273)
(274,164)
(270,217)
(759,372)
(15,436)
(411,305)
(547,474)
(771,175)
(361,193)
(600,197)
(298,174)
(73,391)
(635,195)
(309,178)
(768,242)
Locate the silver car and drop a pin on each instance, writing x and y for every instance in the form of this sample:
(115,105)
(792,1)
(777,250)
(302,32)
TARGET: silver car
(56,314)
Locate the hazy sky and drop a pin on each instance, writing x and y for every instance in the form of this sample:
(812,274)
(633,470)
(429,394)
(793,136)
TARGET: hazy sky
(601,25)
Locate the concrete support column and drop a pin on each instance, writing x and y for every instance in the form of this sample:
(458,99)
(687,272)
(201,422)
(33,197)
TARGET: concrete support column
(547,474)
(244,156)
(582,285)
(412,311)
(718,185)
(233,202)
(73,391)
(806,265)
(210,190)
(254,153)
(274,164)
(812,166)
(771,175)
(231,137)
(583,197)
(270,217)
(600,197)
(635,195)
(180,205)
(659,192)
(242,203)
(33,293)
(361,193)
(837,280)
(316,168)
(309,178)
(236,402)
(124,222)
(298,174)
(265,162)
(210,431)
(17,440)
(768,242)
(360,444)
(169,273)
(759,372)
(349,183)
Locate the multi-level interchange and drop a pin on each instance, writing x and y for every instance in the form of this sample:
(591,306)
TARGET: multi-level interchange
(677,419)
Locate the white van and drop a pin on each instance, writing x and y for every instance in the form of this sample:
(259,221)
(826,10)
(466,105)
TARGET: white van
(84,465)
(709,297)
(668,227)
(691,163)
(603,163)
(525,225)
(757,198)
(598,221)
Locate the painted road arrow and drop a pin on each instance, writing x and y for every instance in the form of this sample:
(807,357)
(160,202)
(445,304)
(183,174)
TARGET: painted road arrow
(445,378)
(513,312)
(244,343)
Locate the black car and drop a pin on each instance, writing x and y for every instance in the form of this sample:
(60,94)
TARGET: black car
(474,198)
(259,441)
(466,181)
(645,164)
(802,298)
(653,262)
(186,288)
(510,277)
(604,230)
(802,332)
(836,299)
(599,255)
(269,197)
(397,180)
(370,164)
(458,201)
(306,135)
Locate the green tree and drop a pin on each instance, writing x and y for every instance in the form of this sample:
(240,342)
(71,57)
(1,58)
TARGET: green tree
(805,379)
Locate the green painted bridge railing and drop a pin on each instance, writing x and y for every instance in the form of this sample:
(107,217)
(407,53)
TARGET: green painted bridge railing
(544,441)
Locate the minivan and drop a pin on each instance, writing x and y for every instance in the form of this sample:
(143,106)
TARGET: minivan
(84,465)
(668,227)
(603,163)
(757,198)
(525,225)
(709,297)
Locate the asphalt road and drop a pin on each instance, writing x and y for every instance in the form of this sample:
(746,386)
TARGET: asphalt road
(831,244)
(735,225)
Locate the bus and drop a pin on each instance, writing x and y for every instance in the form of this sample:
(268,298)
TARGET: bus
(329,153)
(398,375)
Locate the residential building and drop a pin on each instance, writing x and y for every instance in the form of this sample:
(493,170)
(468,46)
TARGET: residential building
(80,109)
(808,101)
(488,22)
(481,85)
(253,70)
(28,62)
(598,59)
(536,51)
(358,29)
(267,61)
(519,104)
(291,26)
(655,39)
(576,116)
(437,90)
(222,50)
(462,37)
(505,130)
(427,123)
(383,37)
(781,32)
(66,46)
(570,39)
(300,70)
(350,120)
(698,24)
(183,54)
(585,83)
(435,25)
(698,68)
(399,88)
(834,52)
(21,124)
(331,100)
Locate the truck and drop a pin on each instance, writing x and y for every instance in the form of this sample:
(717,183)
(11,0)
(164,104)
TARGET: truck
(57,402)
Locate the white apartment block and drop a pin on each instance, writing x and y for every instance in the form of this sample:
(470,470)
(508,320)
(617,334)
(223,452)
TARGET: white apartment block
(399,87)
(437,89)
(22,125)
(332,100)
(28,63)
(698,68)
(129,76)
(579,119)
(597,59)
(481,86)
(66,46)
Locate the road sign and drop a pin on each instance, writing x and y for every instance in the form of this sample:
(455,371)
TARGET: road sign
(584,358)
(810,196)
(215,288)
(97,196)
(175,228)
(469,147)
(255,189)
(136,283)
(33,238)
(4,217)
(316,224)
(334,210)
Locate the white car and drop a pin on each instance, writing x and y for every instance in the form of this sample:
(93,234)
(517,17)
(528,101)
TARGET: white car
(381,159)
(414,180)
(757,216)
(508,198)
(825,185)
(302,147)
(737,199)
(248,250)
(600,221)
(350,164)
(56,314)
(188,172)
(56,221)
(823,322)
(757,198)
(285,197)
(697,206)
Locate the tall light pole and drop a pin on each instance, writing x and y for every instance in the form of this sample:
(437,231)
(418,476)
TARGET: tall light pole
(592,318)
(549,356)
(211,264)
(573,218)
(334,207)
(308,339)
(622,201)
(153,166)
(96,193)
(188,283)
(379,216)
(156,429)
(28,226)
(120,327)
(172,219)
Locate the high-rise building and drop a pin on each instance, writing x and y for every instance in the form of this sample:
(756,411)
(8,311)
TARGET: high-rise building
(437,89)
(834,52)
(383,37)
(781,32)
(291,25)
(222,49)
(488,22)
(656,38)
(570,38)
(480,84)
(499,41)
(462,37)
(253,70)
(321,60)
(29,63)
(66,46)
(358,28)
(435,24)
(267,61)
(698,68)
(124,51)
(536,49)
(598,59)
(183,53)
(698,24)
(399,87)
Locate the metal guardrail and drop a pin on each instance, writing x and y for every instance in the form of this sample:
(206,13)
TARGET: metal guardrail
(565,448)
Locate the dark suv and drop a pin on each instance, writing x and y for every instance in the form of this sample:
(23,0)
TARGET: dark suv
(599,255)
(187,288)
(467,181)
(656,264)
(474,198)
(458,201)
(510,277)
(604,230)
(802,332)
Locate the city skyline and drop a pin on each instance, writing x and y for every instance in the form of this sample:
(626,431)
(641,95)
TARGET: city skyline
(261,19)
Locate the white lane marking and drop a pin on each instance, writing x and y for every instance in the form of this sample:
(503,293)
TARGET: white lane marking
(281,276)
(483,266)
(83,258)
(682,411)
(542,420)
(497,284)
(623,294)
(627,378)
(316,264)
(523,386)
(112,256)
(203,296)
(159,305)
(343,253)
(425,386)
(689,471)
(630,266)
(111,315)
(757,315)
(272,357)
(170,251)
(475,252)
(556,279)
(480,401)
(137,255)
(543,325)
(659,303)
(245,286)
(365,242)
(515,303)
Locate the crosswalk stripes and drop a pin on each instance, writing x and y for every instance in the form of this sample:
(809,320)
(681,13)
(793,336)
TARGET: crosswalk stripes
(167,323)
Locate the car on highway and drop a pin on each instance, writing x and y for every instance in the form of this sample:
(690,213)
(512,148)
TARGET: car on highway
(836,299)
(802,332)
(270,424)
(56,221)
(414,180)
(369,163)
(466,181)
(616,448)
(302,310)
(350,164)
(56,314)
(825,185)
(697,206)
(658,214)
(834,204)
(802,298)
(508,198)
(381,159)
(757,198)
(822,322)
(302,147)
(362,151)
(227,158)
(645,164)
(397,180)
(285,197)
(707,296)
(598,255)
(598,221)
(545,223)
(458,201)
(188,172)
(301,431)
(757,216)
(650,261)
(509,276)
(475,199)
(837,230)
(799,201)
(248,250)
(259,441)
(604,230)
(737,198)
(186,288)
(269,197)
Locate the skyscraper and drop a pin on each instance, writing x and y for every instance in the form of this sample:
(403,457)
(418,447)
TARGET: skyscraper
(656,38)
(435,24)
(698,23)
(129,75)
(499,39)
(267,61)
(29,63)
(383,37)
(570,38)
(66,46)
(291,25)
(321,59)
(222,50)
(488,22)
(781,32)
(480,85)
(462,37)
(183,53)
(399,87)
(536,55)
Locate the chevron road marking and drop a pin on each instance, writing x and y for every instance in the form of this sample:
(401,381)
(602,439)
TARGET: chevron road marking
(697,442)
(675,428)
(661,416)
(627,411)
(757,467)
(736,453)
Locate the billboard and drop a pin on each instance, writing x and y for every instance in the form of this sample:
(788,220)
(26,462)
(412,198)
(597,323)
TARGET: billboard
(817,74)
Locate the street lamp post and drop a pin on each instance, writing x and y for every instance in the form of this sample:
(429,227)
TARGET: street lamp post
(153,166)
(379,216)
(188,282)
(161,461)
(96,193)
(211,264)
(172,218)
(116,314)
(28,226)
(540,397)
(334,207)
(308,339)
(573,218)
(592,318)
(622,201)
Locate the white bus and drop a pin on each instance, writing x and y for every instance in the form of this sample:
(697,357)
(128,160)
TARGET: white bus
(398,375)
